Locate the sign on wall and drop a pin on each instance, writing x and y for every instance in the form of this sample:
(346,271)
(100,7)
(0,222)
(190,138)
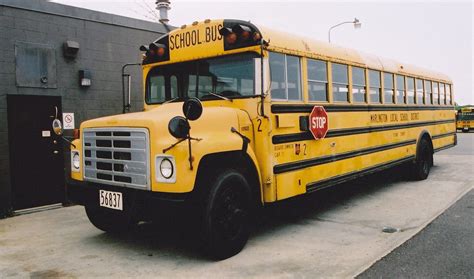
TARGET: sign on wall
(68,120)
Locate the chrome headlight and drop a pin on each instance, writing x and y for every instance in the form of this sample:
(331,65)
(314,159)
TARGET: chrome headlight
(165,169)
(75,161)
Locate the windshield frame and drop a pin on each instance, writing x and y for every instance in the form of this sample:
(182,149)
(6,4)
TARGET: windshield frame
(256,83)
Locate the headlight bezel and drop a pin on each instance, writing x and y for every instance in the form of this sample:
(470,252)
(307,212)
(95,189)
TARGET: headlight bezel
(75,164)
(160,175)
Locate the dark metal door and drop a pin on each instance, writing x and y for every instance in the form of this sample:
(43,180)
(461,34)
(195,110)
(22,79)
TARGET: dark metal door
(36,153)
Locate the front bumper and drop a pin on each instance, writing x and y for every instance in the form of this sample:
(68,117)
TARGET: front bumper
(145,203)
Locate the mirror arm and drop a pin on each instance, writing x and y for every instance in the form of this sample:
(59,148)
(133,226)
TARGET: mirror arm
(126,103)
(68,141)
(173,145)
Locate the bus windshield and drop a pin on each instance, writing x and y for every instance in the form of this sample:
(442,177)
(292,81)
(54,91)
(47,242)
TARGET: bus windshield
(466,116)
(227,76)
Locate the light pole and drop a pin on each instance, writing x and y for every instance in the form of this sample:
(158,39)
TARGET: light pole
(356,22)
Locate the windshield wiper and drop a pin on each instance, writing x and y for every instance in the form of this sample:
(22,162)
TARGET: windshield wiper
(219,96)
(171,100)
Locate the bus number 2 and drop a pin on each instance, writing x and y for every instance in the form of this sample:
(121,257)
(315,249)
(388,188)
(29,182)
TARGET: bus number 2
(259,128)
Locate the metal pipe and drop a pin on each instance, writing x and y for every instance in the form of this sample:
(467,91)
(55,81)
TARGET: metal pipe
(163,6)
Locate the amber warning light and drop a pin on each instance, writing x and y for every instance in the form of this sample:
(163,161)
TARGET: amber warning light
(239,35)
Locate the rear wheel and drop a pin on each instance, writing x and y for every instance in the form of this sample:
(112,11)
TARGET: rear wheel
(424,160)
(226,214)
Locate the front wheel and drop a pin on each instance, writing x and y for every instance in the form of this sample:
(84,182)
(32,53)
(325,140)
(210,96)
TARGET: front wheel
(424,161)
(226,215)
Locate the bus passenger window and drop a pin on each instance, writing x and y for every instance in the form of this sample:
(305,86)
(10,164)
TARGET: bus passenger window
(293,75)
(317,80)
(286,77)
(429,93)
(340,83)
(442,98)
(410,90)
(358,85)
(374,81)
(277,70)
(401,89)
(435,93)
(448,95)
(419,91)
(388,88)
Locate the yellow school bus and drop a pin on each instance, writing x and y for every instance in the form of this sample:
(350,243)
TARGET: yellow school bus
(237,116)
(465,119)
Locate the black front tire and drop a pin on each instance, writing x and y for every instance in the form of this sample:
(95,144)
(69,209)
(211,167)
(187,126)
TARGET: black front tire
(424,160)
(226,216)
(110,220)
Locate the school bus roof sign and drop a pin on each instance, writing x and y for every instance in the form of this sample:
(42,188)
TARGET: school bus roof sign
(318,122)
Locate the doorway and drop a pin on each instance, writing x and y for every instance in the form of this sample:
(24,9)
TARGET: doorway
(36,152)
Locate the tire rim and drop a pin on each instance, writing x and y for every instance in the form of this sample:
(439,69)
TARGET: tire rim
(230,213)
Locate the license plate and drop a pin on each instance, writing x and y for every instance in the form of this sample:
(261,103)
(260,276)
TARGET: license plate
(111,199)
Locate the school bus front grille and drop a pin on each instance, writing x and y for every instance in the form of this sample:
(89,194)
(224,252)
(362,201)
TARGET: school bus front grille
(117,156)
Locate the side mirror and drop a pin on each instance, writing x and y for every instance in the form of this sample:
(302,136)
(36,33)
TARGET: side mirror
(192,109)
(57,127)
(179,127)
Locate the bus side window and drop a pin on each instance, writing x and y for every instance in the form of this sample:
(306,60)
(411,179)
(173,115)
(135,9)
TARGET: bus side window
(388,88)
(317,80)
(401,89)
(435,93)
(286,77)
(429,92)
(293,75)
(374,81)
(442,98)
(419,91)
(340,83)
(410,90)
(278,74)
(448,95)
(358,85)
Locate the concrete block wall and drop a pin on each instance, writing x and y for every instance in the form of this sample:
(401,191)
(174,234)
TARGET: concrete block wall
(106,43)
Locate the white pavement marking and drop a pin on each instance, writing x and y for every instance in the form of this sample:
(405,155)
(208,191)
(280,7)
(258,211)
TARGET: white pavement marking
(341,240)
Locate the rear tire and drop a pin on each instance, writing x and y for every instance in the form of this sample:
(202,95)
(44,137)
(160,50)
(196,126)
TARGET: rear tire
(226,215)
(110,220)
(424,160)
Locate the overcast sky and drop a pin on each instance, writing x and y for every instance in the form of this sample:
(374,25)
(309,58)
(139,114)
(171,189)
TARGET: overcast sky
(437,35)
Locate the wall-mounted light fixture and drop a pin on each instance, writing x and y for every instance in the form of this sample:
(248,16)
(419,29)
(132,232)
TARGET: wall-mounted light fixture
(85,78)
(70,49)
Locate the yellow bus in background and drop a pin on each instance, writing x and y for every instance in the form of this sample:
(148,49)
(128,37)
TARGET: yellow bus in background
(465,119)
(237,116)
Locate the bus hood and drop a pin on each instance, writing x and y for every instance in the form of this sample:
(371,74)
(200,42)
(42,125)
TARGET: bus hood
(215,121)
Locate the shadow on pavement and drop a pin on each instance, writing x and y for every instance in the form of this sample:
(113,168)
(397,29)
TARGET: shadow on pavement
(169,236)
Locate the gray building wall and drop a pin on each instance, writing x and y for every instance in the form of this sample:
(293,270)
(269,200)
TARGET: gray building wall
(106,43)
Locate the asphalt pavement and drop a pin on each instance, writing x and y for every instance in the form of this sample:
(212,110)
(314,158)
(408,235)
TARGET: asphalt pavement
(445,248)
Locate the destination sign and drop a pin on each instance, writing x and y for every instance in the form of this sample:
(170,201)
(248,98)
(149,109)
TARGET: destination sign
(195,37)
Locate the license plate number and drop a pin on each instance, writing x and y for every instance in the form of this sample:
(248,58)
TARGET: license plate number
(111,199)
